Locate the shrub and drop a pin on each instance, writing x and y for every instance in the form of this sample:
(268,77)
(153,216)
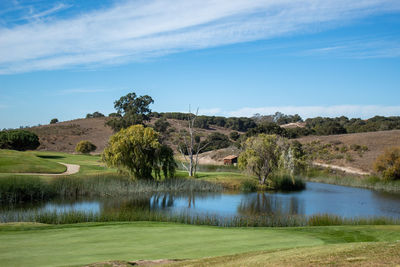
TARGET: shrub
(85,147)
(95,114)
(234,136)
(53,121)
(215,141)
(287,183)
(18,140)
(388,164)
(248,186)
(161,125)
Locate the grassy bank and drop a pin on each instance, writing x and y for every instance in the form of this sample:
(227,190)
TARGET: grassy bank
(45,245)
(370,182)
(12,161)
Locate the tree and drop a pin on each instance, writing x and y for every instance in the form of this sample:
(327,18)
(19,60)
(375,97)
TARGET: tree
(161,125)
(191,146)
(18,140)
(85,147)
(138,150)
(215,141)
(53,121)
(234,136)
(133,110)
(95,114)
(260,156)
(165,162)
(388,164)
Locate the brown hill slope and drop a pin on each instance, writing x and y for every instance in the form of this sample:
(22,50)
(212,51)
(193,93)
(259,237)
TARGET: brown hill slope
(376,142)
(64,136)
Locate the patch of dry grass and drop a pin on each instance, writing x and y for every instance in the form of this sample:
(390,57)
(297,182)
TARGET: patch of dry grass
(376,142)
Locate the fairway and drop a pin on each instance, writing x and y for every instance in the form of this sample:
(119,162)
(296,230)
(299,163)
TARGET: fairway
(27,162)
(45,245)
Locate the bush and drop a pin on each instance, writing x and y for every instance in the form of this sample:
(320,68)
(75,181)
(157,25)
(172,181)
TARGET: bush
(18,140)
(95,114)
(215,141)
(287,183)
(248,186)
(53,121)
(388,164)
(85,147)
(161,125)
(234,136)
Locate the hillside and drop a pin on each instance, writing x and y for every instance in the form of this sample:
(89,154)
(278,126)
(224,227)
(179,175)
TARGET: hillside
(64,136)
(376,142)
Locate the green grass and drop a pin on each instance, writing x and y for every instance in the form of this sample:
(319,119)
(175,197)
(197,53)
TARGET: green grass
(12,161)
(45,245)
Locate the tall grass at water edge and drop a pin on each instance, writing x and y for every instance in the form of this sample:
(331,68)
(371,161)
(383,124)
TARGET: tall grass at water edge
(15,189)
(54,217)
(368,182)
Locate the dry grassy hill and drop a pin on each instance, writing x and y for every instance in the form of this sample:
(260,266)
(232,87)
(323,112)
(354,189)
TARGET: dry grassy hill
(376,142)
(64,136)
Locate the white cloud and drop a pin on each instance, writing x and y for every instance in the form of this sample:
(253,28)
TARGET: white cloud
(135,30)
(368,47)
(351,111)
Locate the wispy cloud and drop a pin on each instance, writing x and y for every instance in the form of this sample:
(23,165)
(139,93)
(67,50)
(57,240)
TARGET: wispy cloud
(136,30)
(47,12)
(351,111)
(368,47)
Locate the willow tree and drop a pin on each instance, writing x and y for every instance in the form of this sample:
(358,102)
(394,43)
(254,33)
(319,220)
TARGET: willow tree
(261,156)
(136,149)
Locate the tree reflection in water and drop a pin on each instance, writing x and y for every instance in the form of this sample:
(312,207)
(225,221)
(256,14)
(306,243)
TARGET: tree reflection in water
(264,204)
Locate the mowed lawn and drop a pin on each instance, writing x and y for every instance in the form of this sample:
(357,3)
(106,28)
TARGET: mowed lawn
(78,244)
(12,161)
(47,162)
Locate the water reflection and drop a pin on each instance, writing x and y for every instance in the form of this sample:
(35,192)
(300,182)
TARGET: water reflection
(264,204)
(317,198)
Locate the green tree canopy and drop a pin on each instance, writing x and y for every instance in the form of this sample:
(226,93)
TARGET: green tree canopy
(138,150)
(261,156)
(18,140)
(133,110)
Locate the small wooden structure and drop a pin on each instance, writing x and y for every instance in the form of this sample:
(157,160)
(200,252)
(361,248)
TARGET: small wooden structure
(231,160)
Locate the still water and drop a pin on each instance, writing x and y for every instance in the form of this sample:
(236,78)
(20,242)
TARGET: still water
(317,198)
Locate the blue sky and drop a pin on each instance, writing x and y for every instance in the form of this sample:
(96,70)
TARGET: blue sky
(64,59)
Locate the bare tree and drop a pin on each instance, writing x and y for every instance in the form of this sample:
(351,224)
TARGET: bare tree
(192,147)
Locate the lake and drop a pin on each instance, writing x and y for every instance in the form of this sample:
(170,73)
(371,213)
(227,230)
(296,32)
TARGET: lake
(317,198)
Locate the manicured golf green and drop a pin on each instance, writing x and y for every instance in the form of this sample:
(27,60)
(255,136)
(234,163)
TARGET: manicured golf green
(44,245)
(12,161)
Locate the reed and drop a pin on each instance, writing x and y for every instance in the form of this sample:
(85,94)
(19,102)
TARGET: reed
(17,189)
(277,220)
(371,182)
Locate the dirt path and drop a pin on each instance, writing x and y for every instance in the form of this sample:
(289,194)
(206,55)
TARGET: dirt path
(71,169)
(341,168)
